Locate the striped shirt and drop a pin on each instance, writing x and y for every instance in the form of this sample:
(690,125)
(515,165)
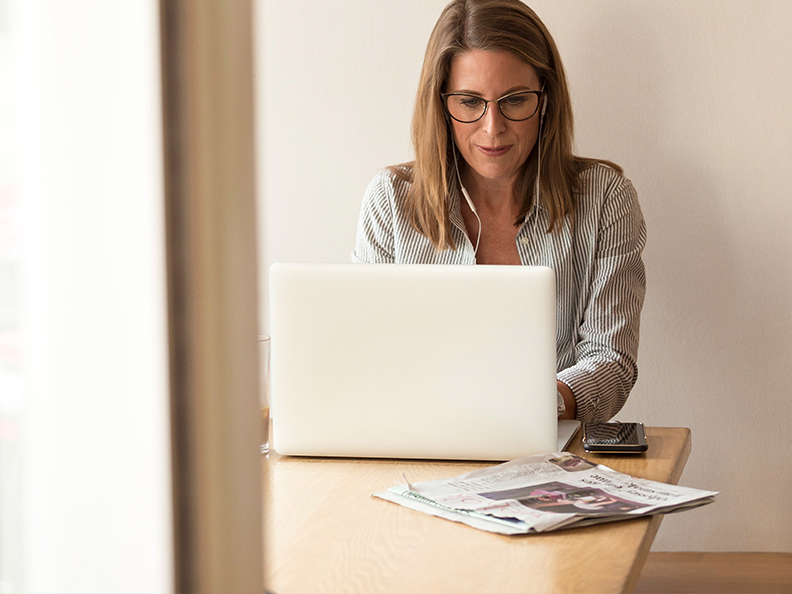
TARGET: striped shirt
(600,278)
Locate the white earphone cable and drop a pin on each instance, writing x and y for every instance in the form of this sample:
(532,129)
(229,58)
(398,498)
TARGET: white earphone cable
(469,202)
(539,151)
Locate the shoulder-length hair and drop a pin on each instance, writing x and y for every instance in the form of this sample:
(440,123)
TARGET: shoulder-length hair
(493,25)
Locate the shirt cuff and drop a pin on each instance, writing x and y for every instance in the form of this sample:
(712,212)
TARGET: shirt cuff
(584,388)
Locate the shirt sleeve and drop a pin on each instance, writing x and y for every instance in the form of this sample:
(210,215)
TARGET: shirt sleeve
(607,349)
(374,242)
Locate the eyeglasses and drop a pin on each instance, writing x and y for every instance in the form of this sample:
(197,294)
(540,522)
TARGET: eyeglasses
(467,109)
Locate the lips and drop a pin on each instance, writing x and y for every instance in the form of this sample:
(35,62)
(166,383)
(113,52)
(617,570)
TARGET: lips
(494,151)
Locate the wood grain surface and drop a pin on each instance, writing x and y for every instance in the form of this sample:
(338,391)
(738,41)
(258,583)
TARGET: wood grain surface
(325,533)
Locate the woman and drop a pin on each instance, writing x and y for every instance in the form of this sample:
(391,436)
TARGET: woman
(494,181)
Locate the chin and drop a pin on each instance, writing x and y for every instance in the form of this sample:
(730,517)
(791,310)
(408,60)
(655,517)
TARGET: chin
(497,173)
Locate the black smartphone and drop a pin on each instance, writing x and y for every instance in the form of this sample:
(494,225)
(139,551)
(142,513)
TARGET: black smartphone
(614,438)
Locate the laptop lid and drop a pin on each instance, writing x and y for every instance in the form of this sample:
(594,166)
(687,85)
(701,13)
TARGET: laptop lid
(413,361)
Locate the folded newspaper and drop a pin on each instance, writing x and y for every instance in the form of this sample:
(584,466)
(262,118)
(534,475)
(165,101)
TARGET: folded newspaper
(543,493)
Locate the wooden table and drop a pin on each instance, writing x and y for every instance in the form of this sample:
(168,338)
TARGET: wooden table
(325,533)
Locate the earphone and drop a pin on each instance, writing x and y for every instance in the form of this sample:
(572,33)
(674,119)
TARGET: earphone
(539,147)
(468,200)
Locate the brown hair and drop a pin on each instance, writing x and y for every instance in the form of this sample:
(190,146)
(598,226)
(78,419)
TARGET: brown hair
(494,25)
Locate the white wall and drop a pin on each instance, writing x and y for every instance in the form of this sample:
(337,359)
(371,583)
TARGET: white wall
(87,429)
(693,99)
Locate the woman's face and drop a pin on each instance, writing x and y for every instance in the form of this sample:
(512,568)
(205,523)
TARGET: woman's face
(495,148)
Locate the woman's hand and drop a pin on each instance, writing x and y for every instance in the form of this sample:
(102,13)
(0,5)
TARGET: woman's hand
(569,400)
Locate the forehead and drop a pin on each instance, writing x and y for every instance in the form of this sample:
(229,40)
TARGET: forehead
(490,73)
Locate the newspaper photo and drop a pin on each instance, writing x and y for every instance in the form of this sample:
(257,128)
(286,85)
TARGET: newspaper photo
(543,493)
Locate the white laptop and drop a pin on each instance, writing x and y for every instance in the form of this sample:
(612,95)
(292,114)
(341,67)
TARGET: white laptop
(413,361)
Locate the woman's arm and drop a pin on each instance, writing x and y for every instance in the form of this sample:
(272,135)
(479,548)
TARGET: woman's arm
(607,343)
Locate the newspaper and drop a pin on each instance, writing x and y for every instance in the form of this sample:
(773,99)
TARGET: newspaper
(543,493)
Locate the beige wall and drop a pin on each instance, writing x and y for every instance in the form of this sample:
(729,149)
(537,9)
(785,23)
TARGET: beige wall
(692,98)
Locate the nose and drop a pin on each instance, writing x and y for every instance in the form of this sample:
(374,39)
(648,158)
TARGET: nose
(493,121)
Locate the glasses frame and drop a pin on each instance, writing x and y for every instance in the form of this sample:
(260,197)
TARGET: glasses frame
(538,94)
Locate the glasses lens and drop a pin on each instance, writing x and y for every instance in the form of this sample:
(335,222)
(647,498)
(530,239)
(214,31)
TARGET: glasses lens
(519,106)
(465,108)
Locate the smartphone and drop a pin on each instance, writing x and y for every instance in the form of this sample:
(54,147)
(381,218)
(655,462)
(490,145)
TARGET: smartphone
(614,438)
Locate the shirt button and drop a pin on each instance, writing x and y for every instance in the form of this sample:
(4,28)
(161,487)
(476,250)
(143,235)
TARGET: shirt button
(525,240)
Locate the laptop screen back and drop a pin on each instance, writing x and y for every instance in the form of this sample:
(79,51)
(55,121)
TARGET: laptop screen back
(413,361)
